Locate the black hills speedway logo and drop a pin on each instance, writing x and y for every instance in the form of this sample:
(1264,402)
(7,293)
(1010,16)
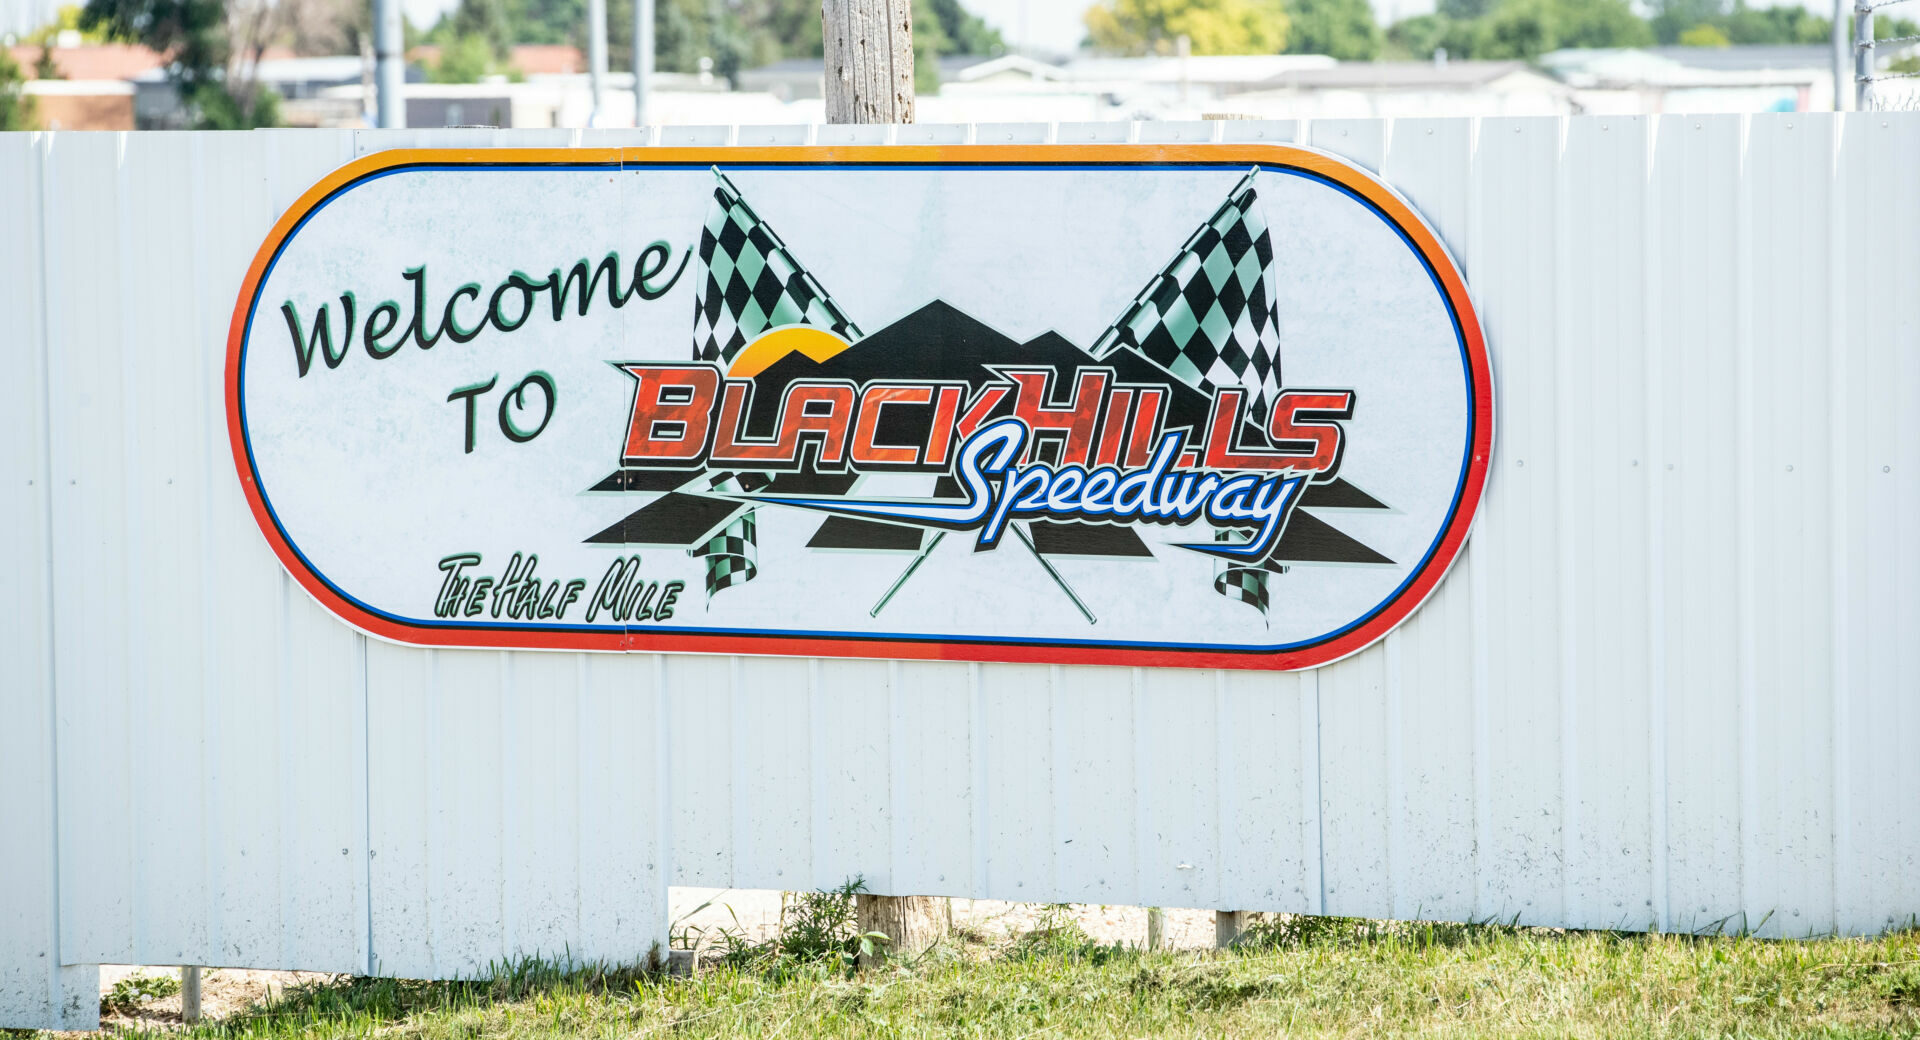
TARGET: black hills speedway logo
(1173,432)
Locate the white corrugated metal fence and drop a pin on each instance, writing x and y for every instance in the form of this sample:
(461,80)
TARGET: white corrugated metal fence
(1674,680)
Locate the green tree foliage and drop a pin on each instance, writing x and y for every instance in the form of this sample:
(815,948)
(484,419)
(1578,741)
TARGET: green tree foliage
(1520,29)
(929,42)
(66,19)
(1422,35)
(966,33)
(1678,21)
(1788,23)
(1211,26)
(1670,18)
(1704,35)
(198,36)
(1463,10)
(1344,29)
(1598,23)
(469,59)
(942,27)
(16,107)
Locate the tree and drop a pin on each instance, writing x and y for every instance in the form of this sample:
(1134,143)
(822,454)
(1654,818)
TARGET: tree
(216,46)
(1784,24)
(1670,18)
(16,106)
(965,32)
(469,59)
(1211,26)
(1421,36)
(1343,29)
(1704,35)
(944,27)
(929,42)
(1521,29)
(1463,10)
(66,19)
(1598,23)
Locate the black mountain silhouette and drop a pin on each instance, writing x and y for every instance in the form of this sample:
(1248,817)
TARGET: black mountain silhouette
(941,342)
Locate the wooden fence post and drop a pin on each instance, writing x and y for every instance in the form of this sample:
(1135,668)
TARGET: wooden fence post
(190,993)
(1227,926)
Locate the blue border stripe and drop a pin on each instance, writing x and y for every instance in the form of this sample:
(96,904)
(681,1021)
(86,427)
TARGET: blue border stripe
(1426,560)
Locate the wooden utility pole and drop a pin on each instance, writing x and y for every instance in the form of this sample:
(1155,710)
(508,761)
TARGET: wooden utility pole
(869,73)
(910,923)
(869,60)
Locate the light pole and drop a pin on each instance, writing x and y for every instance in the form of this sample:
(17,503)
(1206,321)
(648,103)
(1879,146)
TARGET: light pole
(390,71)
(597,59)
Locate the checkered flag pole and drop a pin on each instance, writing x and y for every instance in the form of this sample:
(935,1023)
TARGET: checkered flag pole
(1209,317)
(749,282)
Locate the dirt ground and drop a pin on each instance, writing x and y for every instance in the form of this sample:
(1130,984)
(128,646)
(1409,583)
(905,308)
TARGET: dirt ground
(695,912)
(223,991)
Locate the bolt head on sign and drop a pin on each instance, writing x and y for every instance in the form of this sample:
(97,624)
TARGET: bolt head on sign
(1203,405)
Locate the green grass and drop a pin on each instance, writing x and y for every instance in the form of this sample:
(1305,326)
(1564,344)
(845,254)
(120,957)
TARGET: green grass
(1300,977)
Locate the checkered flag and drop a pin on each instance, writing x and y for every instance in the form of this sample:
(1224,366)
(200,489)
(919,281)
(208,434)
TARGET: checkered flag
(730,554)
(1248,584)
(749,282)
(1209,316)
(733,552)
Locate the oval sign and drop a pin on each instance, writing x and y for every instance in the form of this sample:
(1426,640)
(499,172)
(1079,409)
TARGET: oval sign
(1214,405)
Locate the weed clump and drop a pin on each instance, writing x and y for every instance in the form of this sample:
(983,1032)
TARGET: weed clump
(137,990)
(1058,934)
(817,929)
